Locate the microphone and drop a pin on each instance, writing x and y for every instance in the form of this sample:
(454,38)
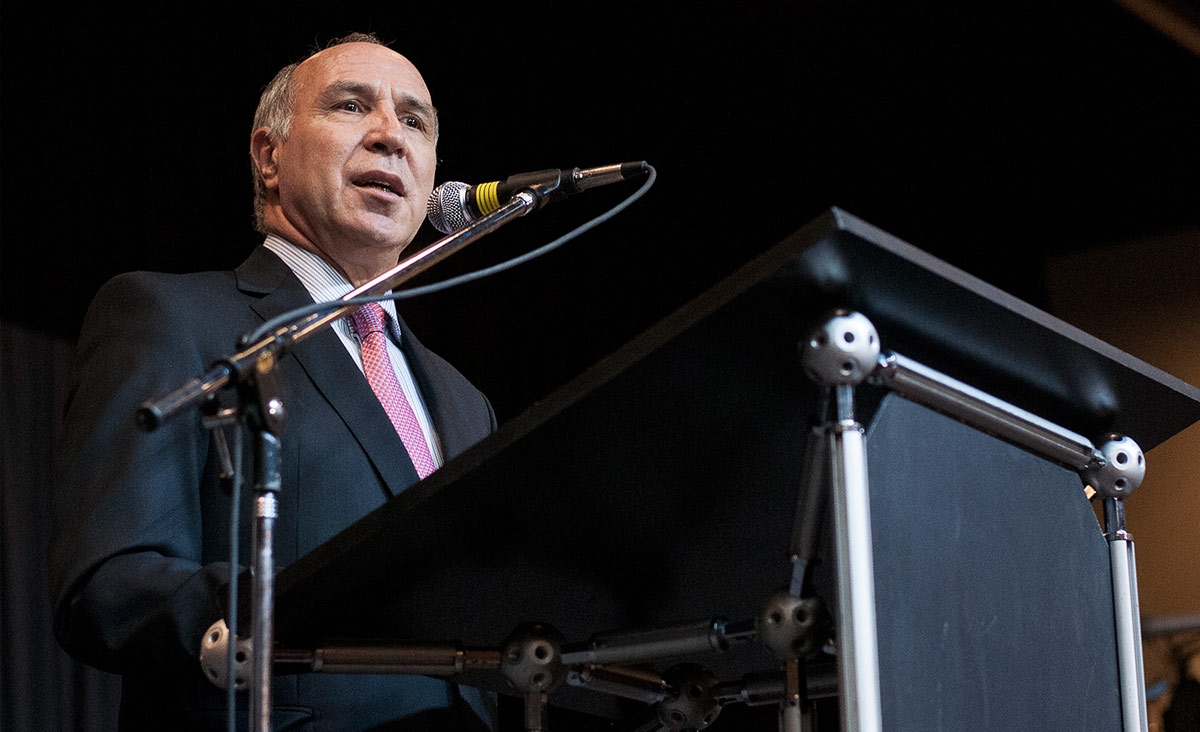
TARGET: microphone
(453,205)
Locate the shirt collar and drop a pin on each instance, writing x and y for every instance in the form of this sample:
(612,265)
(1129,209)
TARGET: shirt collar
(323,282)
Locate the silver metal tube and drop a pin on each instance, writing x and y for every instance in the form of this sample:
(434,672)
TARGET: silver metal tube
(266,509)
(430,660)
(1153,625)
(1136,631)
(627,683)
(263,611)
(858,648)
(791,714)
(649,645)
(791,718)
(806,526)
(757,689)
(536,703)
(1132,684)
(933,389)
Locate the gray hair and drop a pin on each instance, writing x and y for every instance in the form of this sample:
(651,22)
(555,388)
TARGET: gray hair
(275,113)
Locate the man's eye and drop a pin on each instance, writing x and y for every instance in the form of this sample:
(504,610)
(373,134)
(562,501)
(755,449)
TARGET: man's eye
(351,106)
(414,122)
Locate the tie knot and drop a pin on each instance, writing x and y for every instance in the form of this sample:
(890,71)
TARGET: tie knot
(368,319)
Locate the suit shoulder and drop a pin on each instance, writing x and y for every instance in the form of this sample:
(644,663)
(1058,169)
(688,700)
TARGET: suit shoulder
(151,284)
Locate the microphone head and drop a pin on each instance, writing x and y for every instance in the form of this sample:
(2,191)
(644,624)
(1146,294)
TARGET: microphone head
(447,207)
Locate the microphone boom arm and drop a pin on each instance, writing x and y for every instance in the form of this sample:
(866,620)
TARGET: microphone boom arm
(228,371)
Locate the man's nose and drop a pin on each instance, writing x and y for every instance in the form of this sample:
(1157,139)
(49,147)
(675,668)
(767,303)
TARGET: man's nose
(386,133)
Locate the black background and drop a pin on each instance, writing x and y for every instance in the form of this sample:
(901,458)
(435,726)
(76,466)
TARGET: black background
(993,135)
(996,136)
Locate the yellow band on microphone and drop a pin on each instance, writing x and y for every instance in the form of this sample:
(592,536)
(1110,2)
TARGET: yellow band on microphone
(486,198)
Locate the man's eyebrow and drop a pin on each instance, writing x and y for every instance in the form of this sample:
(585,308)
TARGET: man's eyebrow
(343,88)
(418,105)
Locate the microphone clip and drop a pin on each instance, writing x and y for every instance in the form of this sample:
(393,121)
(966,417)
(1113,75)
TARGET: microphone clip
(545,185)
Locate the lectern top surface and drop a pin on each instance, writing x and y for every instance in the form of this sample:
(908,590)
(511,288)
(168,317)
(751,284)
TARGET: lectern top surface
(952,321)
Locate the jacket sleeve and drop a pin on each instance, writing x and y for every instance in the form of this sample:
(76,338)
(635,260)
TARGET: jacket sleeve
(128,585)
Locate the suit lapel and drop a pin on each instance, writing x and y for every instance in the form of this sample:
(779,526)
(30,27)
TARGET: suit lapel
(331,370)
(431,375)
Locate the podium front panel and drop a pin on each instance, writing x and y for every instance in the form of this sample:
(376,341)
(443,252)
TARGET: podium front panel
(994,600)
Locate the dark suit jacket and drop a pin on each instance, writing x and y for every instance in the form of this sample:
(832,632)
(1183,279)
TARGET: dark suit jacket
(139,558)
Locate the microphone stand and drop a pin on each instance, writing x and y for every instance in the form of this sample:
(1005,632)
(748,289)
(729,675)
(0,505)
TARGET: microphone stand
(252,371)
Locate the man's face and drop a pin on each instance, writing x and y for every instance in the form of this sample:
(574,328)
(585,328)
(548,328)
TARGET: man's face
(358,166)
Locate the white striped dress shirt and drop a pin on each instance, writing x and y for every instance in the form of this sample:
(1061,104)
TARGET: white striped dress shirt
(326,284)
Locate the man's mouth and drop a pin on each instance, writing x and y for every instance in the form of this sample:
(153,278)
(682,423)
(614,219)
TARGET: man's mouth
(382,182)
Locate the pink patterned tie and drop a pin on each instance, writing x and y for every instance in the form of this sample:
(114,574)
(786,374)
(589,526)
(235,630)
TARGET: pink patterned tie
(368,323)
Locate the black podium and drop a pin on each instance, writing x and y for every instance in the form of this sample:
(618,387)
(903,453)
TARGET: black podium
(665,490)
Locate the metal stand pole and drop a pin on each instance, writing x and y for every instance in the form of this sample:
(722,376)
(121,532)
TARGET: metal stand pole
(840,354)
(1129,640)
(263,593)
(1118,470)
(858,643)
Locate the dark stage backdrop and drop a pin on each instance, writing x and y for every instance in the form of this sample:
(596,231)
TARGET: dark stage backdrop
(993,135)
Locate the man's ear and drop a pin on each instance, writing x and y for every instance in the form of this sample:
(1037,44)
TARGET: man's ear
(262,153)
